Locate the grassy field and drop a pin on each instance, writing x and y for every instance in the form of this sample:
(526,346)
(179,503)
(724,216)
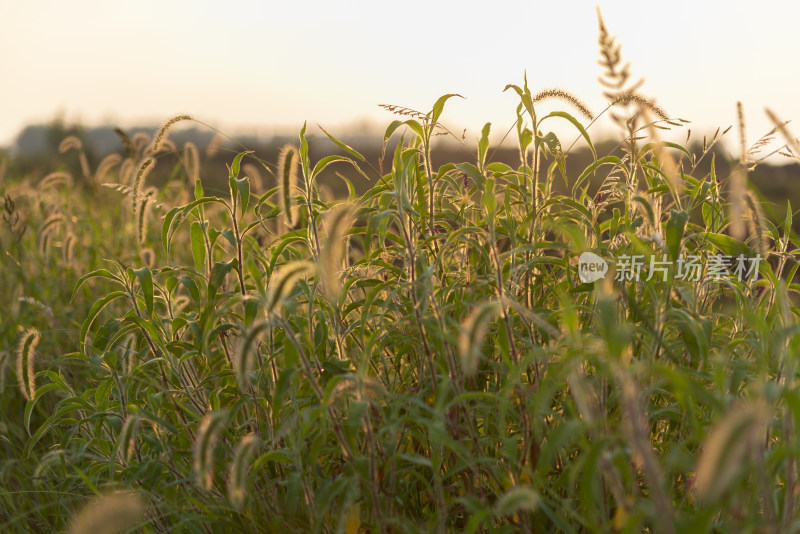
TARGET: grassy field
(424,355)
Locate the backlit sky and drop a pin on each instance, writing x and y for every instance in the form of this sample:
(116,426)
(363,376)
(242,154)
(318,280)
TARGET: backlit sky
(247,65)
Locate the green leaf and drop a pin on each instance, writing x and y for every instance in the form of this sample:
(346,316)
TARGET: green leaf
(176,215)
(234,171)
(473,172)
(391,129)
(674,232)
(438,107)
(243,186)
(350,150)
(198,244)
(40,391)
(352,523)
(218,273)
(651,146)
(145,277)
(416,127)
(151,329)
(324,162)
(608,160)
(489,201)
(729,246)
(97,307)
(578,126)
(695,333)
(251,307)
(99,273)
(515,500)
(483,144)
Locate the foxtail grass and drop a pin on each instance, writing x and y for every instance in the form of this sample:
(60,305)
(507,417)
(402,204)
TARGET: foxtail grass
(163,132)
(563,96)
(240,469)
(337,223)
(288,181)
(26,360)
(203,453)
(111,513)
(145,167)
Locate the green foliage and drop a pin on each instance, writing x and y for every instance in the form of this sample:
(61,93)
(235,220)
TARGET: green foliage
(432,362)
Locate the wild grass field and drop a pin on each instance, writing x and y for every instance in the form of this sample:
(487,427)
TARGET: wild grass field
(424,356)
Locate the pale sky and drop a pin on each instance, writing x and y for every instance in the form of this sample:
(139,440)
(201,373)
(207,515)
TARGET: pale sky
(248,65)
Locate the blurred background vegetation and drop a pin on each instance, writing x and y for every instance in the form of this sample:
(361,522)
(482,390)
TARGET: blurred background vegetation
(35,154)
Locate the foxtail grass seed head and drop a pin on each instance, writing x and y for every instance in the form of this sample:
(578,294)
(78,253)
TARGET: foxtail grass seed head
(85,169)
(55,179)
(213,146)
(108,163)
(337,222)
(725,451)
(191,161)
(5,358)
(207,436)
(69,143)
(141,175)
(630,97)
(756,218)
(126,171)
(147,200)
(240,469)
(168,145)
(736,198)
(113,513)
(742,137)
(148,257)
(737,186)
(256,180)
(69,248)
(282,283)
(26,357)
(472,334)
(161,136)
(48,228)
(127,438)
(564,96)
(288,164)
(515,500)
(139,141)
(125,139)
(245,356)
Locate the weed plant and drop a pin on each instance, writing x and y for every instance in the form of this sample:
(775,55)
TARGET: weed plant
(422,357)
